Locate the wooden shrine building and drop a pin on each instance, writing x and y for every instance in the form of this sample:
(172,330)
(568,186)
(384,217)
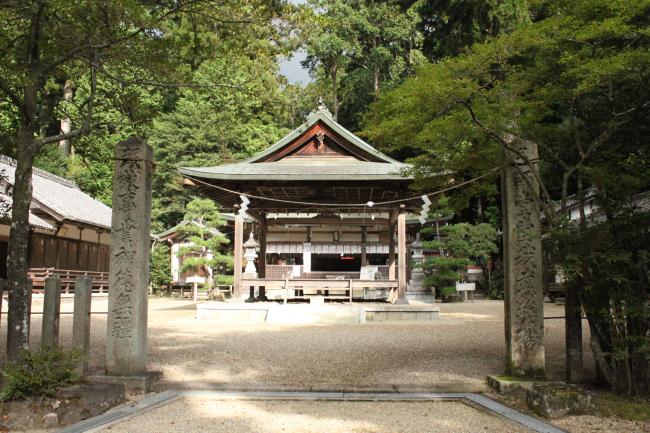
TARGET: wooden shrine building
(70,232)
(328,209)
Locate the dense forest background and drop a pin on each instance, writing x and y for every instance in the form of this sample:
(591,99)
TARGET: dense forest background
(220,97)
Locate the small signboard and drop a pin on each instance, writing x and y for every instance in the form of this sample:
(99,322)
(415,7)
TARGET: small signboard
(465,287)
(368,272)
(195,279)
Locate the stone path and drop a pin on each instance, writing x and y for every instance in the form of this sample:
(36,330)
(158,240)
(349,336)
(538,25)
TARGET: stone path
(275,412)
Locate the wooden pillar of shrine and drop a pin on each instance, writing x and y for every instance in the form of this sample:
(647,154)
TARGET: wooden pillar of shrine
(261,258)
(391,248)
(401,256)
(364,242)
(238,251)
(261,261)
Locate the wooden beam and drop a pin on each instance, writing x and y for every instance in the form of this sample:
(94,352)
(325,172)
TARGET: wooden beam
(237,253)
(392,218)
(257,216)
(401,256)
(328,221)
(391,252)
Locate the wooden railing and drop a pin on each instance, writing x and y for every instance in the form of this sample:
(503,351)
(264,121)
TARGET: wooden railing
(321,275)
(281,271)
(67,277)
(328,288)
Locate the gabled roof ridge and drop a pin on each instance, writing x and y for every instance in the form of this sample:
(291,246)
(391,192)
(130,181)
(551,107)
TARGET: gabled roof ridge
(42,173)
(368,147)
(322,114)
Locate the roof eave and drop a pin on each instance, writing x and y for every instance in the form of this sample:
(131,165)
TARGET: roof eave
(287,177)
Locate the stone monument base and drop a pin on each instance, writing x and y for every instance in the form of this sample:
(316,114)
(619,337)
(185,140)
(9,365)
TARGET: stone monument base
(132,384)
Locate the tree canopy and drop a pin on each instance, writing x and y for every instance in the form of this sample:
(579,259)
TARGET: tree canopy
(573,82)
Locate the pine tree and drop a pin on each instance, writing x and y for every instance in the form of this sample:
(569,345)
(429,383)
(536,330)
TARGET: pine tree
(204,249)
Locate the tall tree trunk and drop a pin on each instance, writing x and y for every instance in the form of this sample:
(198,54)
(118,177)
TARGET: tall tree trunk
(18,254)
(438,236)
(18,316)
(376,86)
(335,90)
(66,124)
(375,72)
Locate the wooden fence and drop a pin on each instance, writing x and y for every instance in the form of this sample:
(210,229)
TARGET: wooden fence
(67,277)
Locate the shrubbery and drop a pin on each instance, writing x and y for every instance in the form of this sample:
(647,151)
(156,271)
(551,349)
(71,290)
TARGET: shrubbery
(42,372)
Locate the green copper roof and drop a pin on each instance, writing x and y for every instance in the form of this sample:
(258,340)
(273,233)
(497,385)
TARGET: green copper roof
(317,170)
(307,169)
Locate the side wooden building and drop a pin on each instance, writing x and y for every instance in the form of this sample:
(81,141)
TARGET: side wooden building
(70,230)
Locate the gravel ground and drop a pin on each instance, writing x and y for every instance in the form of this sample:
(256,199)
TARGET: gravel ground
(236,416)
(453,353)
(594,424)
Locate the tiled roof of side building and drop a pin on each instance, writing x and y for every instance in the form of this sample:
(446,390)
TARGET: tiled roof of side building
(34,220)
(61,196)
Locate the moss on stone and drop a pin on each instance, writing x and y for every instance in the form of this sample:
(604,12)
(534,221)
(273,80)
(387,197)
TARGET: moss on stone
(512,378)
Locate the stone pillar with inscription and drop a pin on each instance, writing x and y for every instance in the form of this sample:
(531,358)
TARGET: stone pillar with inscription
(126,343)
(522,266)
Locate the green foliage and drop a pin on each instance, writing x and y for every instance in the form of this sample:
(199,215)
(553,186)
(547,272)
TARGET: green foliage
(606,260)
(449,27)
(40,373)
(459,245)
(160,267)
(215,125)
(476,241)
(612,405)
(202,221)
(573,82)
(444,271)
(224,279)
(209,69)
(495,283)
(568,82)
(359,48)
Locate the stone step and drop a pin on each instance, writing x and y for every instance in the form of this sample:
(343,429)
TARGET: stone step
(421,297)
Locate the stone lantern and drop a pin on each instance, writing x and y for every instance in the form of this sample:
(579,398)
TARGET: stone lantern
(250,254)
(416,289)
(416,247)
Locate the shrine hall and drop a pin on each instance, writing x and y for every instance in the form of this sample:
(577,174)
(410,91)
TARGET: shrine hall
(328,211)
